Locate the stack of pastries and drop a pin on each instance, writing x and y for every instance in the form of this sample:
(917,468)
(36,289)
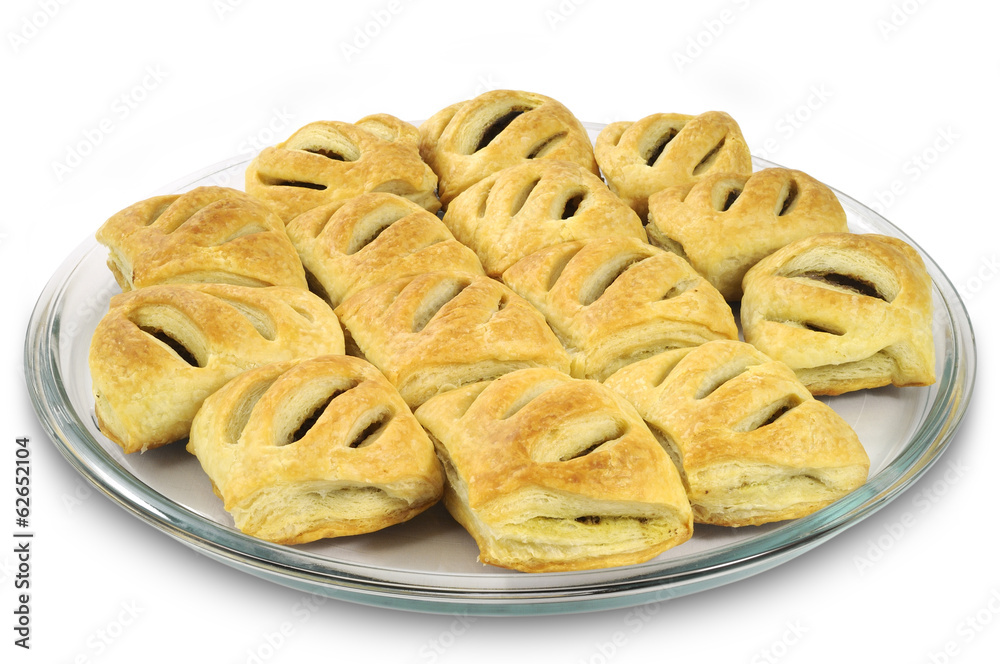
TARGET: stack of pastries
(468,311)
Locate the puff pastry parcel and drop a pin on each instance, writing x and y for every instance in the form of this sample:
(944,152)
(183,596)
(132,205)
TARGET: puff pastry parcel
(752,444)
(438,331)
(468,141)
(616,300)
(845,311)
(328,161)
(209,234)
(159,351)
(324,447)
(725,223)
(666,149)
(373,238)
(550,473)
(528,207)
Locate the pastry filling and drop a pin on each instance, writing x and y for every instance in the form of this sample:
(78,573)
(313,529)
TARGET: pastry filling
(789,196)
(608,274)
(657,149)
(707,161)
(547,145)
(572,205)
(496,127)
(182,352)
(845,283)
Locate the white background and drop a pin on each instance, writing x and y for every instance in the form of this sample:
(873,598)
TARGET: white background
(850,92)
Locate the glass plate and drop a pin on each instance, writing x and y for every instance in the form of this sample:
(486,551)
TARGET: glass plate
(429,564)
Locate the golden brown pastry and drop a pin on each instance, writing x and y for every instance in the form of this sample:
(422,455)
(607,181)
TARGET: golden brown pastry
(667,149)
(209,234)
(324,447)
(725,223)
(752,443)
(616,300)
(329,161)
(438,331)
(533,205)
(845,311)
(373,238)
(159,351)
(468,141)
(550,473)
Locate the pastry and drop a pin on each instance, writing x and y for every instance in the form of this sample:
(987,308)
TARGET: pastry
(468,141)
(438,331)
(725,223)
(752,444)
(367,240)
(533,205)
(324,447)
(845,311)
(616,300)
(209,234)
(160,350)
(329,161)
(667,149)
(549,473)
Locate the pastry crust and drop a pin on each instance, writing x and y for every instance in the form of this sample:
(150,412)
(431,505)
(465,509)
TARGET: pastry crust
(159,351)
(550,473)
(327,161)
(373,238)
(209,234)
(752,443)
(470,140)
(845,311)
(438,331)
(324,447)
(524,208)
(617,300)
(667,149)
(726,222)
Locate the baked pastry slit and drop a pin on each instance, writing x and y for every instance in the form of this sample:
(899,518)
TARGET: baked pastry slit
(469,141)
(161,350)
(349,246)
(845,311)
(615,300)
(752,444)
(317,448)
(438,331)
(326,162)
(549,473)
(207,235)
